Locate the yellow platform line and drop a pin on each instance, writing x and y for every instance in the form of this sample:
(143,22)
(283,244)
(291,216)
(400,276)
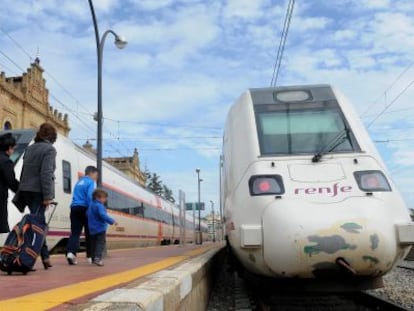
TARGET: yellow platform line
(54,297)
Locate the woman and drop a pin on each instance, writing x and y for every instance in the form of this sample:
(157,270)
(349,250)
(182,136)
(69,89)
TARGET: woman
(7,177)
(37,181)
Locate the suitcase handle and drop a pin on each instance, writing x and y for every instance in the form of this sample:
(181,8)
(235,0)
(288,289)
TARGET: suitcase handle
(54,204)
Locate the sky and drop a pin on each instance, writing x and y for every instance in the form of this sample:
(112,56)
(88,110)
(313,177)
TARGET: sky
(168,92)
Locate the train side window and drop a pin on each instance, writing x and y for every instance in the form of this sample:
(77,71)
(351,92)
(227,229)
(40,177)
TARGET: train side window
(67,176)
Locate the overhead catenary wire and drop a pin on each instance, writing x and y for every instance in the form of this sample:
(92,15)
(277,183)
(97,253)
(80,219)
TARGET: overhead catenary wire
(49,74)
(164,124)
(390,104)
(384,93)
(179,148)
(391,111)
(79,115)
(11,60)
(393,140)
(16,43)
(3,66)
(76,114)
(128,139)
(84,124)
(282,43)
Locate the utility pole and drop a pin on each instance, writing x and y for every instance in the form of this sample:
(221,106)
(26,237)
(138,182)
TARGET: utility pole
(199,239)
(214,227)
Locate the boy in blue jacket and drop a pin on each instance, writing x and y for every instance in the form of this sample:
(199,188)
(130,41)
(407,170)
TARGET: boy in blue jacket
(98,221)
(82,198)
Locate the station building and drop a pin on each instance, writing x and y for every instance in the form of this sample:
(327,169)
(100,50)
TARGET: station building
(24,102)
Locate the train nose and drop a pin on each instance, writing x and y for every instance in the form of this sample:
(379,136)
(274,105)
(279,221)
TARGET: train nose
(302,239)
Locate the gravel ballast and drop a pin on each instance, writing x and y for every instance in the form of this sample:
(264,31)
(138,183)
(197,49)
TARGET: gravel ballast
(399,285)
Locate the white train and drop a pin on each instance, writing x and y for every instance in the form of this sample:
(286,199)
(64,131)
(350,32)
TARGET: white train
(306,194)
(143,218)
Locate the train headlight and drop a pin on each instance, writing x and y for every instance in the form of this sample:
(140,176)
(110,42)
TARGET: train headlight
(292,96)
(266,185)
(372,181)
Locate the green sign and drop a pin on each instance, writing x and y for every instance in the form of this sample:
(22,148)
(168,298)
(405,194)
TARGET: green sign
(195,206)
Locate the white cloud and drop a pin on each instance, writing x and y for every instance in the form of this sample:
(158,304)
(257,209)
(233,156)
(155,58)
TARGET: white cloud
(151,5)
(310,23)
(244,9)
(344,35)
(173,41)
(106,5)
(375,4)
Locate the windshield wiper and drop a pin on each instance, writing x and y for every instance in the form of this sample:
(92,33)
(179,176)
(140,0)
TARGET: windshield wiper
(335,142)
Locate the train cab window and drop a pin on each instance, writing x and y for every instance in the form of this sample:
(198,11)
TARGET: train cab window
(298,129)
(67,177)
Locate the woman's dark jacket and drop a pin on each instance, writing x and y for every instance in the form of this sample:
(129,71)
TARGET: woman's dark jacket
(38,172)
(7,181)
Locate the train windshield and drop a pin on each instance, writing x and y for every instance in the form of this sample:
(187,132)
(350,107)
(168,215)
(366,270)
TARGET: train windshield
(23,139)
(294,128)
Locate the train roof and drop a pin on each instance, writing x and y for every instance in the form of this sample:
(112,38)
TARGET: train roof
(294,93)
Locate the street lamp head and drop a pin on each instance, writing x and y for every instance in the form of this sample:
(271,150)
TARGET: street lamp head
(120,42)
(197,170)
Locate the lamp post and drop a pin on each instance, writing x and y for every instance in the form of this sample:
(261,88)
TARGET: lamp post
(214,227)
(199,239)
(120,43)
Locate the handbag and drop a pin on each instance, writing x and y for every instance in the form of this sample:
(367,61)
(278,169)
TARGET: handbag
(19,202)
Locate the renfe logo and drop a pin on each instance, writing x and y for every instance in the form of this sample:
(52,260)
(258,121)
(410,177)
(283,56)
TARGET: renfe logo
(333,190)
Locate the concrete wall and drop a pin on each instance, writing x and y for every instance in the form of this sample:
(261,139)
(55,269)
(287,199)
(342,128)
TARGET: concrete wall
(186,287)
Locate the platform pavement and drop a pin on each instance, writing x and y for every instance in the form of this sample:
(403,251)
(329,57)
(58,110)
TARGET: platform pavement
(64,285)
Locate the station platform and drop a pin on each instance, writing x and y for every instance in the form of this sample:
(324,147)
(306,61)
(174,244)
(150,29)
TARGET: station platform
(63,286)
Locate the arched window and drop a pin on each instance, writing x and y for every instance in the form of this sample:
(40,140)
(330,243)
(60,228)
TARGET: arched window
(7,125)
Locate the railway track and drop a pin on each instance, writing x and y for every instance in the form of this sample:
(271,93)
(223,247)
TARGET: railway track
(406,267)
(256,295)
(408,262)
(327,301)
(410,256)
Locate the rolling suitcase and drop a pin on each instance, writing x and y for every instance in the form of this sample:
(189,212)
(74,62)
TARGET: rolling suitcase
(23,244)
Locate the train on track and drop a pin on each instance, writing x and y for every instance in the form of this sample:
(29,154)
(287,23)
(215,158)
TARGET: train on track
(143,218)
(305,192)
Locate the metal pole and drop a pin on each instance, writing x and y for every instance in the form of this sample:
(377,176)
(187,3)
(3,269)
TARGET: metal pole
(194,225)
(221,197)
(99,115)
(199,239)
(99,90)
(199,210)
(99,157)
(99,118)
(214,227)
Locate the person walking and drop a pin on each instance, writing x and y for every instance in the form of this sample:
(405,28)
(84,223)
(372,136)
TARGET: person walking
(37,181)
(7,177)
(98,220)
(82,199)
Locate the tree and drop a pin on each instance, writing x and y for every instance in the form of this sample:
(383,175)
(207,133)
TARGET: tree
(147,175)
(167,194)
(412,213)
(155,184)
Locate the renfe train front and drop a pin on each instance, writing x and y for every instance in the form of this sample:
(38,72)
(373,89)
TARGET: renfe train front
(306,194)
